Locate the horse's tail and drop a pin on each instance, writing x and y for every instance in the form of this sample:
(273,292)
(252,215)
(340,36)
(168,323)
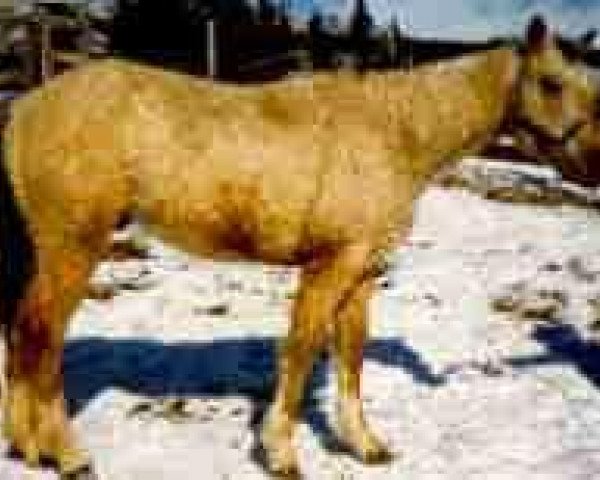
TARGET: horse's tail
(17,253)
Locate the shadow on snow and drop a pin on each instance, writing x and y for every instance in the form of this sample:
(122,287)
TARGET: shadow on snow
(219,368)
(563,345)
(223,367)
(246,366)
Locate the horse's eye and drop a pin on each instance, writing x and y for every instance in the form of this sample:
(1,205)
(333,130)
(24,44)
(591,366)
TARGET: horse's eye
(551,85)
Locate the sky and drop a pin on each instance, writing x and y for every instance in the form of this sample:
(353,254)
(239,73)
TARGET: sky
(472,19)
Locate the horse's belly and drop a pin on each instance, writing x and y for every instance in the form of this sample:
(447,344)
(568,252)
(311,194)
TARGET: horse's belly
(222,211)
(207,229)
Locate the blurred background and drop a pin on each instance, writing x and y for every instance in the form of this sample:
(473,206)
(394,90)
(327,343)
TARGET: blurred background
(258,40)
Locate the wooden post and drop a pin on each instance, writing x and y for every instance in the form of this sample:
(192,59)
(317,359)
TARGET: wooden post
(411,60)
(392,46)
(46,54)
(211,48)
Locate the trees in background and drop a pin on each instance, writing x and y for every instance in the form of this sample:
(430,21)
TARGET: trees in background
(257,40)
(174,33)
(254,41)
(160,32)
(359,34)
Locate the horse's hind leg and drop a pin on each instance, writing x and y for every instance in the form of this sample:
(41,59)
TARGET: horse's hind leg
(322,290)
(350,335)
(35,417)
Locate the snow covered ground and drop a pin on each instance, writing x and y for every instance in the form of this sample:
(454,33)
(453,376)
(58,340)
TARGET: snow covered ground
(484,361)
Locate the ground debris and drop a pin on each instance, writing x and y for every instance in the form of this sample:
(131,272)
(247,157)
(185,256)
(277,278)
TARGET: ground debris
(593,325)
(505,304)
(577,267)
(551,267)
(540,309)
(542,304)
(172,409)
(101,292)
(525,194)
(217,310)
(434,300)
(488,367)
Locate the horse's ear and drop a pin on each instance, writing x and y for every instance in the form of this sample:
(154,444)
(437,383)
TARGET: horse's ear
(536,34)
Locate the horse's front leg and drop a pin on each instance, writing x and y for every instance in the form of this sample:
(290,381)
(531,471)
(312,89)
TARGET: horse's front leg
(35,418)
(350,334)
(322,289)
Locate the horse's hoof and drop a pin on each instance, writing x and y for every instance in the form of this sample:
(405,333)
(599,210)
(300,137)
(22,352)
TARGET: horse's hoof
(286,474)
(292,473)
(379,456)
(85,472)
(374,454)
(279,472)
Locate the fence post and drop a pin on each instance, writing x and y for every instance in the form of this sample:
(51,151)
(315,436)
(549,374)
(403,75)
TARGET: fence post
(47,61)
(211,47)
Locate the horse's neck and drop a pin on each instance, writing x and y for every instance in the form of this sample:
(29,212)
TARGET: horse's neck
(440,111)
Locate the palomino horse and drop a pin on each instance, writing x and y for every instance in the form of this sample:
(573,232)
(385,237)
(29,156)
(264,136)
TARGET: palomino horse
(320,173)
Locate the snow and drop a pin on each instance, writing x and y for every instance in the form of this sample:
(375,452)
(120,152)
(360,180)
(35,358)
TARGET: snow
(459,391)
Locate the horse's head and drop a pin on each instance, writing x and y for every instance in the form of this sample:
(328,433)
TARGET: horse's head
(555,104)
